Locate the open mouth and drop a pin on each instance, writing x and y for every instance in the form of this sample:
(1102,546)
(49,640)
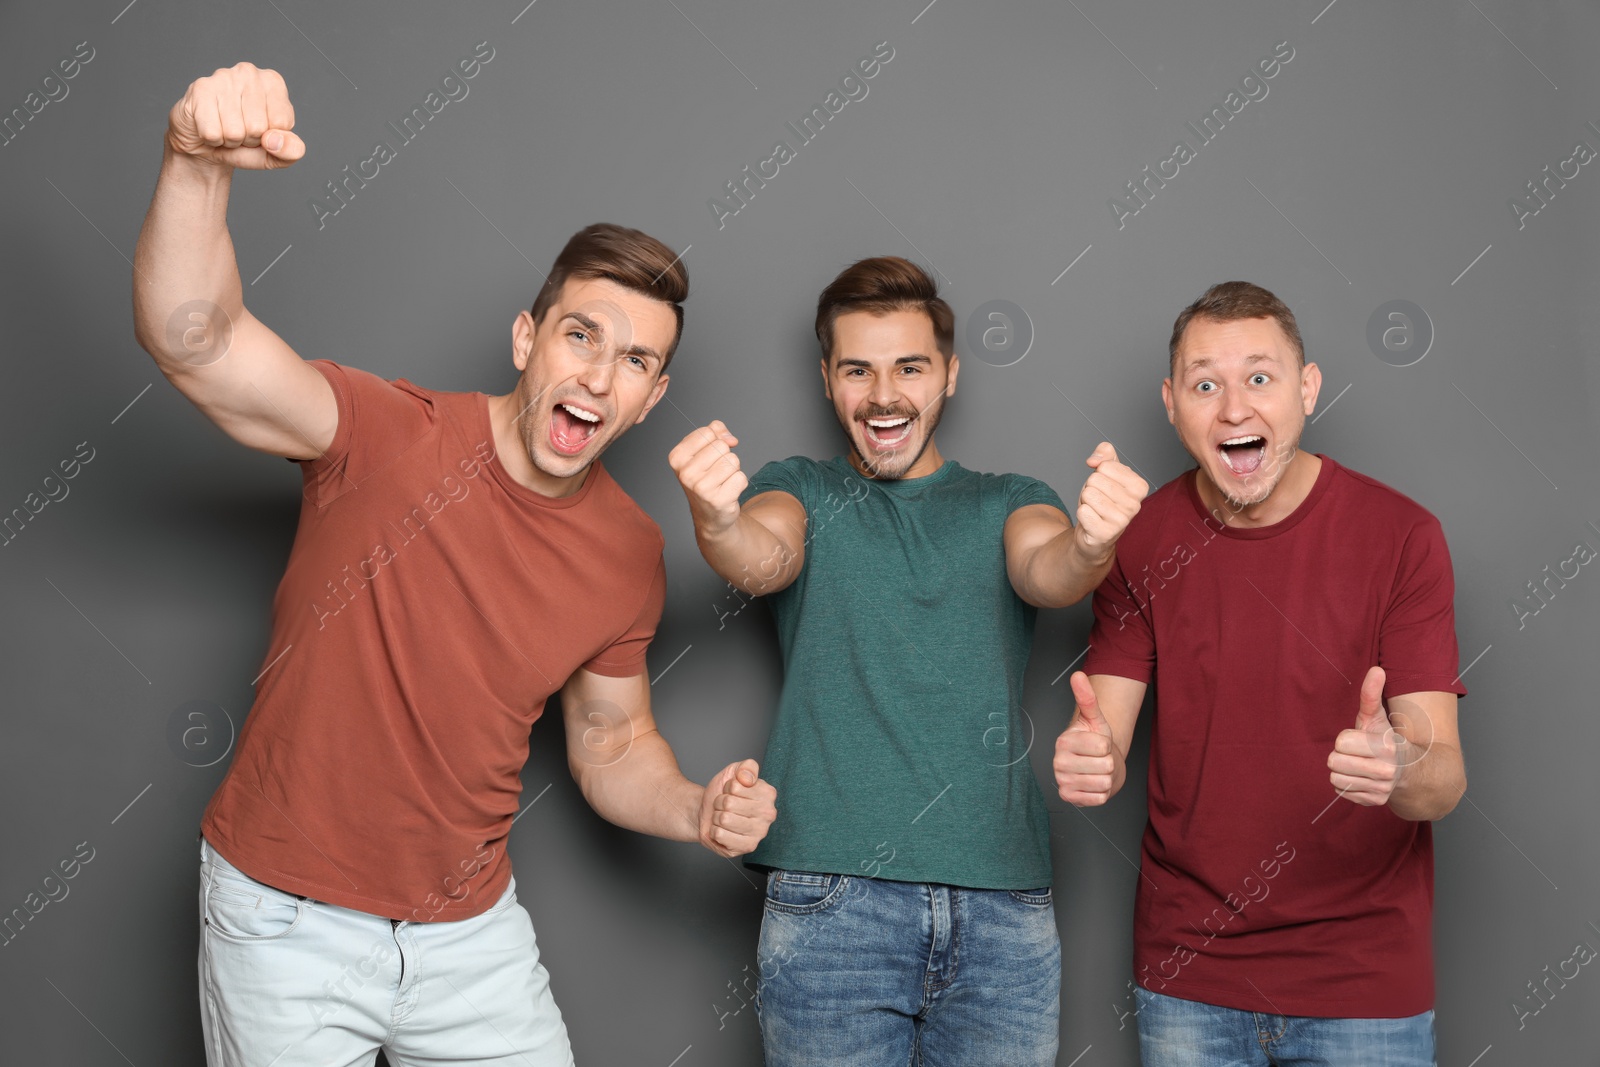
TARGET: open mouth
(572,427)
(1243,454)
(887,431)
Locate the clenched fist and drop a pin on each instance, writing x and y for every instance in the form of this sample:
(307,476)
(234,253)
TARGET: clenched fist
(1085,767)
(708,470)
(737,809)
(238,117)
(1109,499)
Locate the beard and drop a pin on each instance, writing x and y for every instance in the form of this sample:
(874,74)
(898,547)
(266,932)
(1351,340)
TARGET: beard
(894,466)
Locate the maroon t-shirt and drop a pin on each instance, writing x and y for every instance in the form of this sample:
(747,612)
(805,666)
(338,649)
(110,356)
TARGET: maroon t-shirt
(1260,888)
(430,606)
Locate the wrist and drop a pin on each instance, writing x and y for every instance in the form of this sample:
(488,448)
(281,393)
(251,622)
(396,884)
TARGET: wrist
(192,168)
(1091,555)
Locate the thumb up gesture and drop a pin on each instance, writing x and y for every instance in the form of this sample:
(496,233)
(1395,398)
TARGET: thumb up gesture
(1369,760)
(1085,765)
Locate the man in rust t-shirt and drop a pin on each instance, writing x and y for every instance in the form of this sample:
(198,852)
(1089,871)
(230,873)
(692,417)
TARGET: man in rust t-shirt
(460,558)
(1297,621)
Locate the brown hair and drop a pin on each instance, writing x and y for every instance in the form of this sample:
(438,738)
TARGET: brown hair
(879,286)
(632,259)
(1228,301)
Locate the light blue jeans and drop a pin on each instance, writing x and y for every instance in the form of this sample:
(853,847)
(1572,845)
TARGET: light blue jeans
(1187,1033)
(293,982)
(865,972)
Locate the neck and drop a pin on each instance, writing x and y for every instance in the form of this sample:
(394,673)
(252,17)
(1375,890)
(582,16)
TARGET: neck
(511,450)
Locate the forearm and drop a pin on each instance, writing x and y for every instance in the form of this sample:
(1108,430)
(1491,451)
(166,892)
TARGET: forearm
(643,790)
(1064,570)
(750,556)
(185,252)
(1431,787)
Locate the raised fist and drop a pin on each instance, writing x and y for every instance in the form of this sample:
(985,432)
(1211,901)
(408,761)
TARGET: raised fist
(708,470)
(238,117)
(1110,498)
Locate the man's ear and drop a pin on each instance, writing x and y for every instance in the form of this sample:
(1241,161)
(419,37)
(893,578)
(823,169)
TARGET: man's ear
(1166,400)
(659,391)
(827,386)
(955,369)
(1310,386)
(522,333)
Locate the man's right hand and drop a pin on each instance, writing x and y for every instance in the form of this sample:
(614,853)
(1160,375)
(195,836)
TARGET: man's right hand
(238,117)
(1085,763)
(708,470)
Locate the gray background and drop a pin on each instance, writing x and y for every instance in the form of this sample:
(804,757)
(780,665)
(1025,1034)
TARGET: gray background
(1378,168)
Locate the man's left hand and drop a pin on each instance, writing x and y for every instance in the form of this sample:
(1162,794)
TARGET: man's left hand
(1368,762)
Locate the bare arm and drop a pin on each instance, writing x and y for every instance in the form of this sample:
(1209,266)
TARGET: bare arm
(1049,561)
(630,777)
(759,547)
(1092,753)
(188,302)
(1053,563)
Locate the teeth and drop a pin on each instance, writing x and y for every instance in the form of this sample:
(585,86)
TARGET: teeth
(885,424)
(1248,439)
(579,413)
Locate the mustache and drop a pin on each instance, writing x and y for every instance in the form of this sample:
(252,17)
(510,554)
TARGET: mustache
(888,413)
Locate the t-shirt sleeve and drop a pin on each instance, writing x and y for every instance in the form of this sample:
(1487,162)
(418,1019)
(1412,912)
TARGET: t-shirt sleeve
(625,657)
(1417,639)
(1121,641)
(794,476)
(378,420)
(1021,491)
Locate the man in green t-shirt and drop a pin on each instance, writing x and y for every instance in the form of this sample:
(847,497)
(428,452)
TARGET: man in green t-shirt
(908,909)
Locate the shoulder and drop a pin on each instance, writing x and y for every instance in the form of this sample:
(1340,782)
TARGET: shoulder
(1011,490)
(799,476)
(795,466)
(627,526)
(1169,501)
(1389,506)
(355,387)
(1167,513)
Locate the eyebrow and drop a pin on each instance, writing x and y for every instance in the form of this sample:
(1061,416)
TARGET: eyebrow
(1200,364)
(590,324)
(915,357)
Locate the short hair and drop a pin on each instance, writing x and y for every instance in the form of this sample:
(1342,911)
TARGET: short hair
(1229,301)
(631,259)
(879,286)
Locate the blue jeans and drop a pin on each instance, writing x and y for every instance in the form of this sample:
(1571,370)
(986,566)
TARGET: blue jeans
(300,983)
(863,972)
(1187,1033)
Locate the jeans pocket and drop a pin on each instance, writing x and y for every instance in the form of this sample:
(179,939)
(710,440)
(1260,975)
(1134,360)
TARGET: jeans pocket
(239,908)
(804,892)
(1037,898)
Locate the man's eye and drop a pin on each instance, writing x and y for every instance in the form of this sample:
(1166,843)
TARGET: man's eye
(1258,379)
(1206,387)
(637,362)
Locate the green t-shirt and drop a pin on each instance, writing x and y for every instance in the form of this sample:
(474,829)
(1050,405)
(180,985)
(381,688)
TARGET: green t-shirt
(900,749)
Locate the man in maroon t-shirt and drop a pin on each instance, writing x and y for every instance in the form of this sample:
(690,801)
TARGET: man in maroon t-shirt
(460,558)
(1297,620)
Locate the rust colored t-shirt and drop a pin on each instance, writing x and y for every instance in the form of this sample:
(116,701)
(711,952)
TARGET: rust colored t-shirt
(1260,888)
(430,606)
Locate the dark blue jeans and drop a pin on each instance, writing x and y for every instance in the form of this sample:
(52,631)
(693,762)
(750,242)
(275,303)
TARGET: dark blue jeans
(1187,1033)
(864,972)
